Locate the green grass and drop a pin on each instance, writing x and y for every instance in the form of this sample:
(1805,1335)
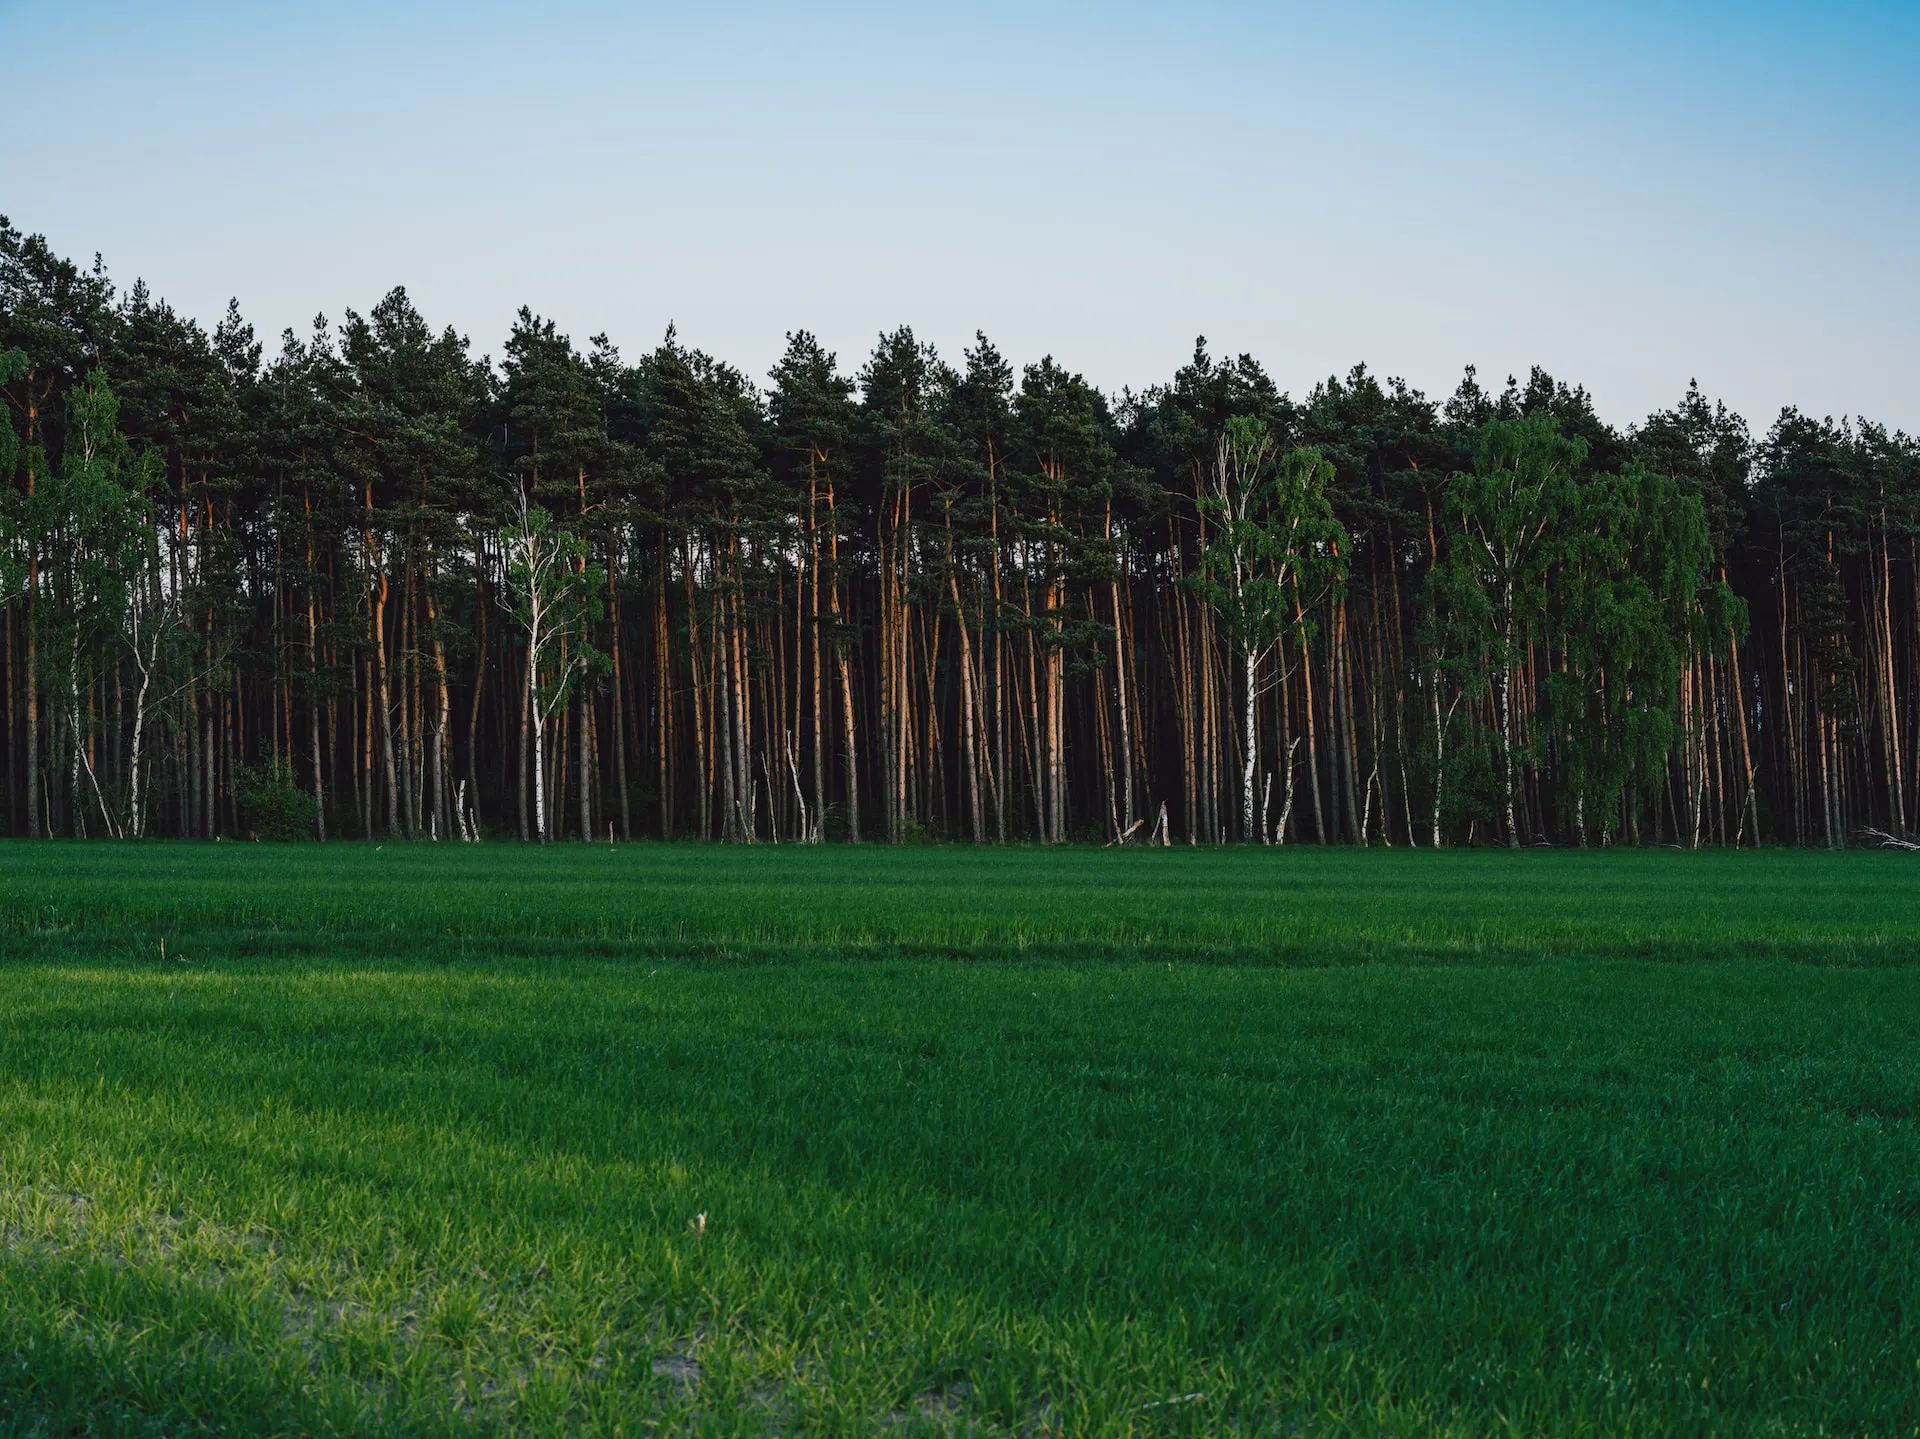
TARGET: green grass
(409,1141)
(1254,906)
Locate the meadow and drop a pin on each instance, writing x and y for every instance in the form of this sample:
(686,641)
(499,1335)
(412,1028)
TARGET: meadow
(678,1139)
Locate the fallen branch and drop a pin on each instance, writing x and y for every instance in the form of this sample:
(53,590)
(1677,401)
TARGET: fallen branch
(1888,841)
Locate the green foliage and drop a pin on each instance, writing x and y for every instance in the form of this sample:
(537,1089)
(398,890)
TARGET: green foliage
(556,595)
(90,517)
(913,832)
(1463,618)
(272,804)
(1060,484)
(13,568)
(1612,572)
(409,1141)
(1276,547)
(89,525)
(1632,605)
(1505,520)
(835,826)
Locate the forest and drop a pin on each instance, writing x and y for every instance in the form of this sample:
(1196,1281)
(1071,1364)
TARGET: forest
(373,584)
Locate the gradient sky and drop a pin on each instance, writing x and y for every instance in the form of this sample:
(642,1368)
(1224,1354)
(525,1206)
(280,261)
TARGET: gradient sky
(1629,194)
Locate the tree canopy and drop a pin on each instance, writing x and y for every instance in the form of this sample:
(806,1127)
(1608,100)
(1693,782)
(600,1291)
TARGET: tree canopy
(367,582)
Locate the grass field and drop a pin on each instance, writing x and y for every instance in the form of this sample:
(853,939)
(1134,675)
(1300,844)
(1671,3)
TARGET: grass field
(400,1140)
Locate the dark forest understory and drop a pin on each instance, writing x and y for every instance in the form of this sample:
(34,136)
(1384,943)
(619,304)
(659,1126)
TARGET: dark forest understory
(374,585)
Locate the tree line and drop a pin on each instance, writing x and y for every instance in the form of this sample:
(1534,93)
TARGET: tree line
(374,585)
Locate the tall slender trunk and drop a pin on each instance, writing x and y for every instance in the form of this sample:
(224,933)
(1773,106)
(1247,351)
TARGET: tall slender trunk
(742,721)
(617,676)
(1349,749)
(527,747)
(313,684)
(999,651)
(438,811)
(135,801)
(481,665)
(1313,743)
(584,758)
(1056,711)
(15,815)
(976,817)
(539,748)
(853,747)
(1896,784)
(1503,684)
(663,693)
(817,686)
(76,804)
(31,678)
(1126,709)
(731,807)
(31,681)
(377,628)
(1209,727)
(1250,745)
(1041,791)
(701,700)
(1184,714)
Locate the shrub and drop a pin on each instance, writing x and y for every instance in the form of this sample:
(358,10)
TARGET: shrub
(272,804)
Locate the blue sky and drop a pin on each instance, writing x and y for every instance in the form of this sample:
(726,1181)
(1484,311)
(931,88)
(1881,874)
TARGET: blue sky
(1629,194)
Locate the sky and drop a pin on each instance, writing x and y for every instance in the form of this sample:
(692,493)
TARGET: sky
(1631,195)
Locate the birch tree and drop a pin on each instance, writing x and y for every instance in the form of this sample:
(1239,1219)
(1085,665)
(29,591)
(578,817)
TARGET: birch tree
(1276,548)
(1504,525)
(555,595)
(89,522)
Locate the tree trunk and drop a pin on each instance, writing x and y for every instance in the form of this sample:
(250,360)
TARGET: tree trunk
(32,685)
(976,818)
(377,625)
(1250,746)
